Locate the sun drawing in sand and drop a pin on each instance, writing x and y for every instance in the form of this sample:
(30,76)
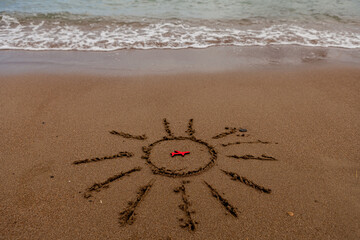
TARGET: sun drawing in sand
(199,157)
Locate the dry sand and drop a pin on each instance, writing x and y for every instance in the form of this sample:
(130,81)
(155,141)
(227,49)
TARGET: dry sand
(310,117)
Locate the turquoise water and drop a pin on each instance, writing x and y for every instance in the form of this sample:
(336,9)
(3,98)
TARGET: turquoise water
(344,10)
(117,24)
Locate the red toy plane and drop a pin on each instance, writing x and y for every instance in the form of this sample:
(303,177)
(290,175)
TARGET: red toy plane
(179,153)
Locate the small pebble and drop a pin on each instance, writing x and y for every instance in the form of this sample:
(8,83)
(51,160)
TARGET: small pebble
(242,130)
(290,214)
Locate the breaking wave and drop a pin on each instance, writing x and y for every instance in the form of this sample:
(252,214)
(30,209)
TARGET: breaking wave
(78,32)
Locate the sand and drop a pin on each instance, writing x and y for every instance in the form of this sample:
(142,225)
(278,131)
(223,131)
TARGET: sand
(274,154)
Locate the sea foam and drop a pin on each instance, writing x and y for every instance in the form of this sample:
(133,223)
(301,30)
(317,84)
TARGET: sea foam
(110,35)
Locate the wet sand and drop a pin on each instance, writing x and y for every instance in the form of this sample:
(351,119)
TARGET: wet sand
(274,154)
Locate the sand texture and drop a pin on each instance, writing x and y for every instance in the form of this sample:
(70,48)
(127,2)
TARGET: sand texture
(274,154)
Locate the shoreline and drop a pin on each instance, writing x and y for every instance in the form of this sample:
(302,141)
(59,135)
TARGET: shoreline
(162,61)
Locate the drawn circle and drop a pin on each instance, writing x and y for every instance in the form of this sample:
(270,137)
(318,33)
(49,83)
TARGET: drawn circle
(201,164)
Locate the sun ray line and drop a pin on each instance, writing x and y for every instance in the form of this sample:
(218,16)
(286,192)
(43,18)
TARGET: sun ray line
(230,131)
(263,157)
(224,134)
(188,223)
(254,142)
(167,128)
(127,135)
(97,187)
(190,131)
(244,180)
(98,159)
(225,203)
(127,216)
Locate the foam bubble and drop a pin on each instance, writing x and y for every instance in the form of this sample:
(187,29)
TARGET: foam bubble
(40,34)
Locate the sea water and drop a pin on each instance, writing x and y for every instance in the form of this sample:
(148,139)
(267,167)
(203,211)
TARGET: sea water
(107,25)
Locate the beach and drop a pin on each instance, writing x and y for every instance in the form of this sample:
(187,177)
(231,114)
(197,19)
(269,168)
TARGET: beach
(171,119)
(274,144)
